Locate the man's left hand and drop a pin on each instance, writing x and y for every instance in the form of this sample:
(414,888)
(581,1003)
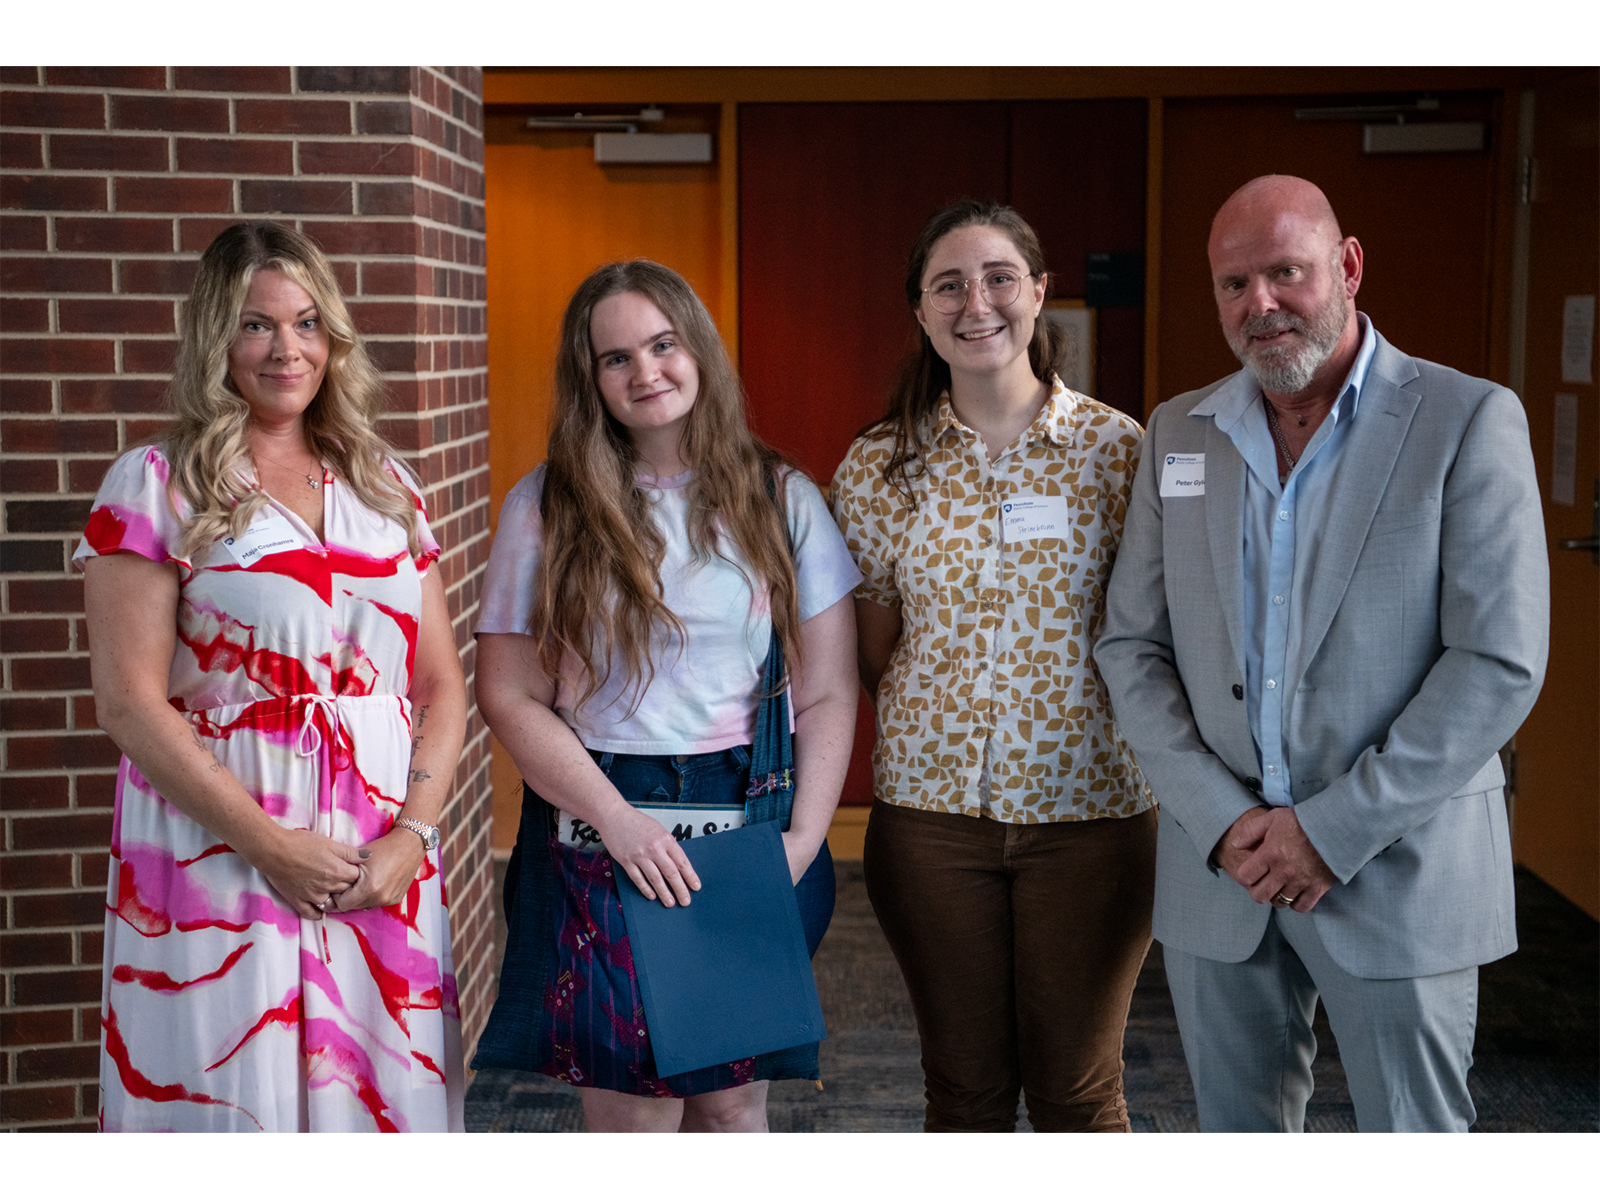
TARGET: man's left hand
(1285,863)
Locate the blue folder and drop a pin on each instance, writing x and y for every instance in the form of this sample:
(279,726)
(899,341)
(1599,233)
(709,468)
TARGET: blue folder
(727,977)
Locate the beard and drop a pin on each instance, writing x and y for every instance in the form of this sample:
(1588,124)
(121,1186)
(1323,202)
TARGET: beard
(1287,370)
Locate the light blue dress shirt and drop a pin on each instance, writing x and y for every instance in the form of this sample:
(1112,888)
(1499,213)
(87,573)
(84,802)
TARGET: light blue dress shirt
(1283,530)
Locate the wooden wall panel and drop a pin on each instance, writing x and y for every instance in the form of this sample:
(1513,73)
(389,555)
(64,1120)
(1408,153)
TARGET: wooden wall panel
(1557,826)
(1078,176)
(830,196)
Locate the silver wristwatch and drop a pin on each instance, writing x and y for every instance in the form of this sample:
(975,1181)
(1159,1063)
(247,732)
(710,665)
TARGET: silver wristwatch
(428,833)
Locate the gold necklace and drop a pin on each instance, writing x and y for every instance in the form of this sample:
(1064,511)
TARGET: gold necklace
(316,484)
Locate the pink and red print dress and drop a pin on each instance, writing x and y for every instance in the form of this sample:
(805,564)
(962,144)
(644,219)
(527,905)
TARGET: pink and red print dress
(220,1008)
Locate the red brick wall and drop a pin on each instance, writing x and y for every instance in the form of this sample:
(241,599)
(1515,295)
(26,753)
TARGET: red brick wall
(112,180)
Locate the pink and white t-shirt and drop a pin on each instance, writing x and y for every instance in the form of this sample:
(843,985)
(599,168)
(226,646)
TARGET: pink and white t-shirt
(703,696)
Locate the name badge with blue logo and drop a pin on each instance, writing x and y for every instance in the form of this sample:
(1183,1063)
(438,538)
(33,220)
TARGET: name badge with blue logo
(268,533)
(1183,475)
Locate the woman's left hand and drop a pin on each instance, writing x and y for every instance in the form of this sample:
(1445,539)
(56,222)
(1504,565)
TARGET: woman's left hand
(385,875)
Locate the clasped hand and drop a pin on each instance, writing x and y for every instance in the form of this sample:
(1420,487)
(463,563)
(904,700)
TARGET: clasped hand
(308,869)
(1267,853)
(313,873)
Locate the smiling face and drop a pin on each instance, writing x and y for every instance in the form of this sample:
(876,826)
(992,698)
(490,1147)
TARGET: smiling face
(280,352)
(1284,282)
(980,339)
(647,379)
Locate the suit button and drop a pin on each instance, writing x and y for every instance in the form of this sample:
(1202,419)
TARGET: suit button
(1253,784)
(1238,692)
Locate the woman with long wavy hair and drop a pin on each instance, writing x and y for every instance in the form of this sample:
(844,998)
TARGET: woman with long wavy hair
(1010,858)
(638,582)
(287,695)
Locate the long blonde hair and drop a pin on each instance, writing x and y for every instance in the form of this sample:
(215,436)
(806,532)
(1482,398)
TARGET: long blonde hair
(208,444)
(600,583)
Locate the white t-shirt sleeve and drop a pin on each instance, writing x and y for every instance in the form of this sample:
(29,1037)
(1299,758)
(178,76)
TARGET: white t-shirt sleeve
(508,581)
(825,571)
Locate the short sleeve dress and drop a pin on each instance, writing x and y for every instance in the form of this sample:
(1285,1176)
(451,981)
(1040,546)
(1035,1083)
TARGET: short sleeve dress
(221,1009)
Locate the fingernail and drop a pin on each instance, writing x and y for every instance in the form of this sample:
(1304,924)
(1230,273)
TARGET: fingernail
(366,854)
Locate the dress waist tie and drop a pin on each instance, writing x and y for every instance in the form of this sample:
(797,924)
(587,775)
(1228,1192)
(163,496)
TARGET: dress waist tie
(309,745)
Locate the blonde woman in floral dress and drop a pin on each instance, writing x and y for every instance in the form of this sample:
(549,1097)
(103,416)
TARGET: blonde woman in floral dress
(274,656)
(1010,859)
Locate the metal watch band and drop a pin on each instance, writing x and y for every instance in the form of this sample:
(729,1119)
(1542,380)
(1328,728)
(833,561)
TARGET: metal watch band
(428,833)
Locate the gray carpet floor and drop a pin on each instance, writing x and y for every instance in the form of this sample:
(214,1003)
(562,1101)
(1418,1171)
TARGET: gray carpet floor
(1537,1053)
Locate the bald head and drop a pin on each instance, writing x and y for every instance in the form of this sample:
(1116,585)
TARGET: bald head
(1268,200)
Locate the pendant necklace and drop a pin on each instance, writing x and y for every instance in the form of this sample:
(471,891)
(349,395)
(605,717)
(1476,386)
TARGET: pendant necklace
(312,480)
(1277,436)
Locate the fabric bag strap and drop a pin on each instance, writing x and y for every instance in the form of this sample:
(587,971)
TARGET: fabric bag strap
(770,796)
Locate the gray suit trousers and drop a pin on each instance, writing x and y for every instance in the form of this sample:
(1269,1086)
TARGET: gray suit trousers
(1406,1044)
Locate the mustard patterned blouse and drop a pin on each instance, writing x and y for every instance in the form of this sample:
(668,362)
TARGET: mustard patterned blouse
(991,705)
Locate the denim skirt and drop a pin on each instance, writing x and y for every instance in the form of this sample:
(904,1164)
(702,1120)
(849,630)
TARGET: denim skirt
(519,1031)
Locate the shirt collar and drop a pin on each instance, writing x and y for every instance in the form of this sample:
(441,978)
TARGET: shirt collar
(1230,401)
(1053,424)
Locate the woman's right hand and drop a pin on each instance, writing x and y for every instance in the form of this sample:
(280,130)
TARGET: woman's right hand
(308,869)
(651,856)
(516,698)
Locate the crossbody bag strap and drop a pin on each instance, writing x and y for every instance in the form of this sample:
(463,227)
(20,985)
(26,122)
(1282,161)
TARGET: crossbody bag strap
(770,796)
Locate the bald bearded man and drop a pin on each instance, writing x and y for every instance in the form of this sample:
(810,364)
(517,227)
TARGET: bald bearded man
(1329,611)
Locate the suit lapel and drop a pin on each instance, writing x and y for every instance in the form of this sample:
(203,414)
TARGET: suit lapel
(1225,470)
(1376,436)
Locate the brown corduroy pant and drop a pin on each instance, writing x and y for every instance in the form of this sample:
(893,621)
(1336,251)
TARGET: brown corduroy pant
(1020,946)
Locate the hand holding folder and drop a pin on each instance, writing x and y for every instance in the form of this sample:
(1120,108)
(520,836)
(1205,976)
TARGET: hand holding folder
(728,976)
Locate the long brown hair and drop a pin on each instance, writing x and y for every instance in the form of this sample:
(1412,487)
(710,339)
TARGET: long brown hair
(923,376)
(208,445)
(600,583)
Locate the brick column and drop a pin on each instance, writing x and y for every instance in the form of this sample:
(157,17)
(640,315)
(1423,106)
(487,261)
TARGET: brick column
(112,181)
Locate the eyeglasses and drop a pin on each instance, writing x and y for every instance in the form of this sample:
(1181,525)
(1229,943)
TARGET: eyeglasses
(1000,288)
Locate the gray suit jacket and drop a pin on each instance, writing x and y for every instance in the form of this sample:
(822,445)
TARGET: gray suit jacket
(1422,650)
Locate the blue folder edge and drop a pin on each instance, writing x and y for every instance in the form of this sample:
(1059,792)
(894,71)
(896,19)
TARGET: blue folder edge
(728,977)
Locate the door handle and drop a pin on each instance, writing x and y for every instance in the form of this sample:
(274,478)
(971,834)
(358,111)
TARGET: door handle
(1592,542)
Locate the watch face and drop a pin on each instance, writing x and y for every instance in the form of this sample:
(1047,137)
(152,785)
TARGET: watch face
(432,839)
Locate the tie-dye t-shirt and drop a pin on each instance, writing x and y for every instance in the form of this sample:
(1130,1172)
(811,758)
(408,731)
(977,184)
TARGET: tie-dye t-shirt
(221,1008)
(703,696)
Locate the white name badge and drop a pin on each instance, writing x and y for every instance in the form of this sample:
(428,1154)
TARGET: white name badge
(1028,518)
(269,533)
(683,821)
(1183,475)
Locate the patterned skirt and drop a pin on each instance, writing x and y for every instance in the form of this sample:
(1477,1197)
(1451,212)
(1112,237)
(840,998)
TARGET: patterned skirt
(569,1003)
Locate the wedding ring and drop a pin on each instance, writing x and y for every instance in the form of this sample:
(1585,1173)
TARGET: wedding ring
(1283,901)
(318,907)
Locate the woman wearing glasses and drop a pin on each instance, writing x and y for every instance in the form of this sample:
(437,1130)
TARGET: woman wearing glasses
(1011,858)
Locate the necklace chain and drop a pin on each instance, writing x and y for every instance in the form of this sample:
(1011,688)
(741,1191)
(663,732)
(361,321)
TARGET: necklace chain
(1277,436)
(312,480)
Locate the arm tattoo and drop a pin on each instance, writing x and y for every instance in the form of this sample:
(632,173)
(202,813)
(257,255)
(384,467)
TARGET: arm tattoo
(206,750)
(416,739)
(420,776)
